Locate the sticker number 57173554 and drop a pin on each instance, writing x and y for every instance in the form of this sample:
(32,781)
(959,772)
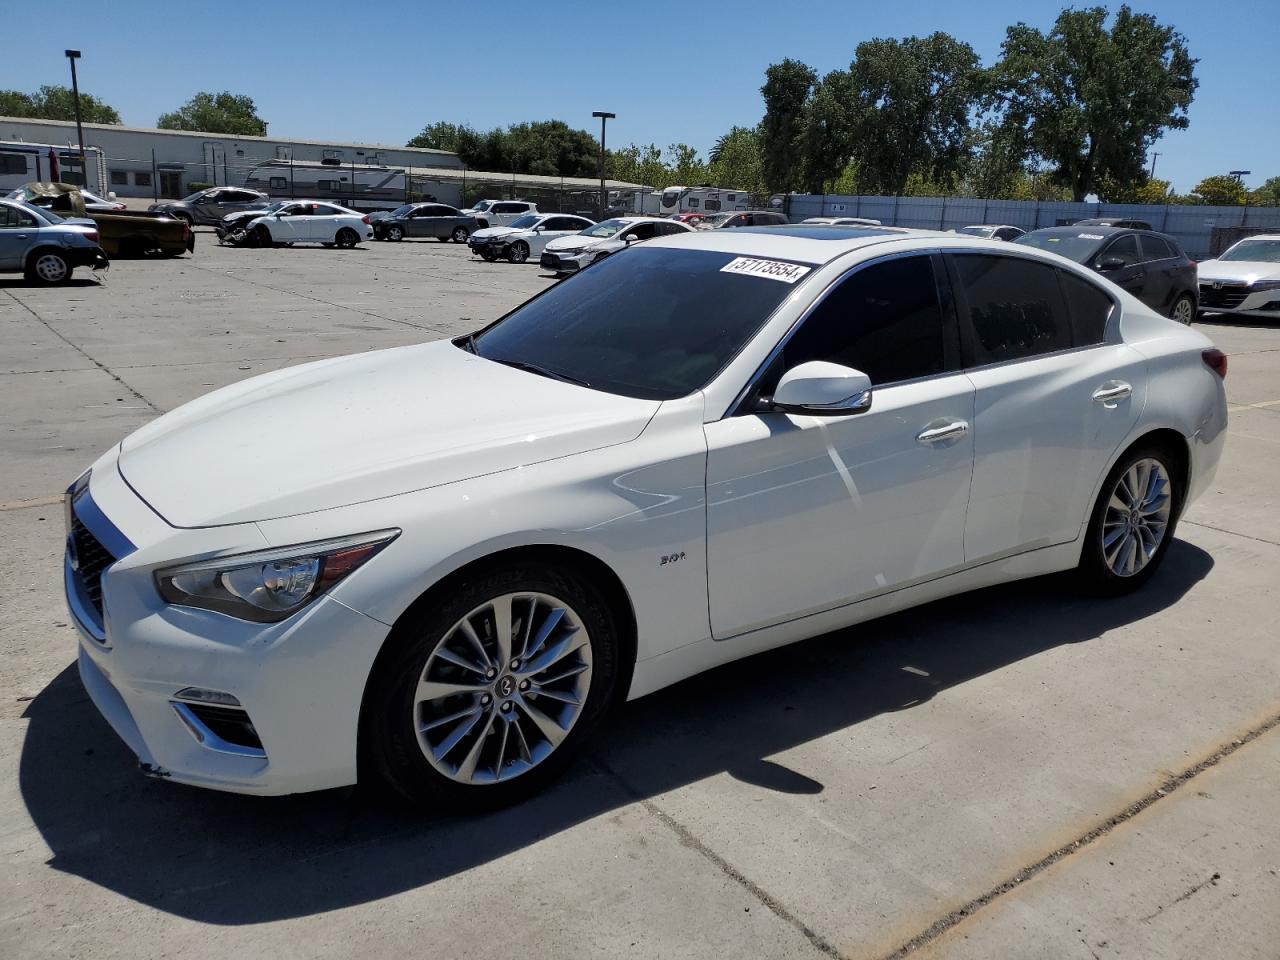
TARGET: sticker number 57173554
(769,269)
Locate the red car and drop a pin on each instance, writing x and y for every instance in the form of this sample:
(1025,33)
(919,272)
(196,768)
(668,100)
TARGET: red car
(692,219)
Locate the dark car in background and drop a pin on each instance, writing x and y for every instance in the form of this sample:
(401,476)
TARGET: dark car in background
(210,206)
(1112,222)
(424,220)
(1149,265)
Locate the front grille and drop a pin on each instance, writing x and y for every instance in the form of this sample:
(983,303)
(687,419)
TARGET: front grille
(92,558)
(1230,295)
(549,260)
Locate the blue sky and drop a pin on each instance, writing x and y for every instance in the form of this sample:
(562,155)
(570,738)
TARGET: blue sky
(673,72)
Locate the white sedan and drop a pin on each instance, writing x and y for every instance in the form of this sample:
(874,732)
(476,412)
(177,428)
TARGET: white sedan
(1245,279)
(573,253)
(442,564)
(308,221)
(525,237)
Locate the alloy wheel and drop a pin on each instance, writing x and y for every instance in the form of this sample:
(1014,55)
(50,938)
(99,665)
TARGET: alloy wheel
(51,268)
(1184,311)
(395,233)
(503,688)
(1137,517)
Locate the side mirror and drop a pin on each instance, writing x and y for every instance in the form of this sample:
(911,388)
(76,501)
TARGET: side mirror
(1107,264)
(822,389)
(629,238)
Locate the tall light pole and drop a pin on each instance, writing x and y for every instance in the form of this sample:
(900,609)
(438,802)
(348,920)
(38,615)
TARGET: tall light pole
(604,197)
(1239,175)
(1152,175)
(73,56)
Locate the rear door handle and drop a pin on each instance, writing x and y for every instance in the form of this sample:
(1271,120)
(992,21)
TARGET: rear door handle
(1112,391)
(944,431)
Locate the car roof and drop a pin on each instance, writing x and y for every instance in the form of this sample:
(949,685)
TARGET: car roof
(804,244)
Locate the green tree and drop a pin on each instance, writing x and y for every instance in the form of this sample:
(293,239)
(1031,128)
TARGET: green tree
(1220,191)
(223,112)
(786,90)
(827,134)
(1092,100)
(912,103)
(1145,190)
(734,161)
(548,148)
(685,166)
(55,102)
(1267,195)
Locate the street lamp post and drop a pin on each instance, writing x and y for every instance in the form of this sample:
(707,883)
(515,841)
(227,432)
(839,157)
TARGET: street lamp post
(73,56)
(604,197)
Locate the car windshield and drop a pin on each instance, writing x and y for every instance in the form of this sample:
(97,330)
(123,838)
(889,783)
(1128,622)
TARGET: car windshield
(269,208)
(718,219)
(604,229)
(977,231)
(482,205)
(402,211)
(1077,245)
(657,323)
(194,197)
(1258,251)
(525,222)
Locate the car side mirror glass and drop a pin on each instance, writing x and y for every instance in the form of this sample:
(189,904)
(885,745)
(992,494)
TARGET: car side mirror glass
(1109,263)
(822,389)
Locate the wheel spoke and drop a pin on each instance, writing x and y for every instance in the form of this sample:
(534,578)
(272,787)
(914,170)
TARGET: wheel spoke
(561,695)
(433,690)
(467,768)
(473,638)
(562,675)
(465,726)
(546,726)
(502,749)
(527,627)
(525,753)
(544,631)
(553,654)
(448,656)
(502,629)
(456,715)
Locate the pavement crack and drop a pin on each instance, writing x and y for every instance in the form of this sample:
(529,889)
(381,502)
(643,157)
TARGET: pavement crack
(1246,536)
(84,353)
(687,839)
(962,913)
(1186,895)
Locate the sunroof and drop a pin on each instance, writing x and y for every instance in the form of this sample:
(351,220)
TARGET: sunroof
(817,231)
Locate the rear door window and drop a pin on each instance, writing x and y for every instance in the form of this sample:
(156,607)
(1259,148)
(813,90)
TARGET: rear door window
(1157,248)
(1013,308)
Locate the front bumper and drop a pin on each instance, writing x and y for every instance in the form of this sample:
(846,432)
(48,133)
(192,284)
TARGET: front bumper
(1232,297)
(496,247)
(562,263)
(300,682)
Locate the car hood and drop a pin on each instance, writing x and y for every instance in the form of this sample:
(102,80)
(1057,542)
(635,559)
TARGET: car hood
(575,242)
(490,233)
(358,428)
(1249,271)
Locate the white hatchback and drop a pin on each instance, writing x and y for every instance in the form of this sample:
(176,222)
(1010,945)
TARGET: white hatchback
(309,221)
(442,564)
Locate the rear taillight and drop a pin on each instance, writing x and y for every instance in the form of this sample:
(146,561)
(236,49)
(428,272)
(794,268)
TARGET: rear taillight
(91,235)
(365,218)
(1216,361)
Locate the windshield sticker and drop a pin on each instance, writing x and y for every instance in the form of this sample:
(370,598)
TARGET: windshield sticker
(770,269)
(1090,236)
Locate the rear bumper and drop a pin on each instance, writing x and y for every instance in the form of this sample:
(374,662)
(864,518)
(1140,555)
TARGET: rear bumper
(94,257)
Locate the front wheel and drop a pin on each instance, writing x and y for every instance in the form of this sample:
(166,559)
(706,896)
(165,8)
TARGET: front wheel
(485,695)
(1132,521)
(1184,309)
(395,232)
(346,239)
(518,252)
(460,234)
(488,255)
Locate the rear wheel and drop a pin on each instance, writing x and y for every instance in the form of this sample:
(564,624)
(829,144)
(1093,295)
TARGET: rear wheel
(1184,309)
(460,234)
(485,695)
(518,252)
(48,267)
(1132,521)
(346,238)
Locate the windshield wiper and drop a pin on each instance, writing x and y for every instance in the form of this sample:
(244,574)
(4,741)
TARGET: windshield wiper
(469,343)
(540,371)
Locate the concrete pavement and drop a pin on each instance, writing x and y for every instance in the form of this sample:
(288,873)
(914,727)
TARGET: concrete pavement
(871,793)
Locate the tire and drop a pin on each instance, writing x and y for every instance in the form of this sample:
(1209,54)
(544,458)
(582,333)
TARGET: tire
(261,237)
(1117,556)
(328,246)
(460,234)
(395,233)
(518,252)
(184,217)
(1183,309)
(48,267)
(346,238)
(487,255)
(508,700)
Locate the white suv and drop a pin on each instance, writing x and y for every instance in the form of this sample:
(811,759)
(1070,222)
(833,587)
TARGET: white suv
(499,213)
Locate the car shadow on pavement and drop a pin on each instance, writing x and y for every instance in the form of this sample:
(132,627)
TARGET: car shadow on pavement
(227,859)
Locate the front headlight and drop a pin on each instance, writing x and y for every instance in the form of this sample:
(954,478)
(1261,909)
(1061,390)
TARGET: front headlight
(1265,285)
(269,585)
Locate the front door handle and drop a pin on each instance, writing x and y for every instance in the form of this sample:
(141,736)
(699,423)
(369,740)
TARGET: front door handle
(948,430)
(1112,390)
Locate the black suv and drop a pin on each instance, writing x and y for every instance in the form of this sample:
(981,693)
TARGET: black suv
(1149,265)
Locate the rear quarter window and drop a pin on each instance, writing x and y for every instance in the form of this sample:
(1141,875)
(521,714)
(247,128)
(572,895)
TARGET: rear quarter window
(1014,308)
